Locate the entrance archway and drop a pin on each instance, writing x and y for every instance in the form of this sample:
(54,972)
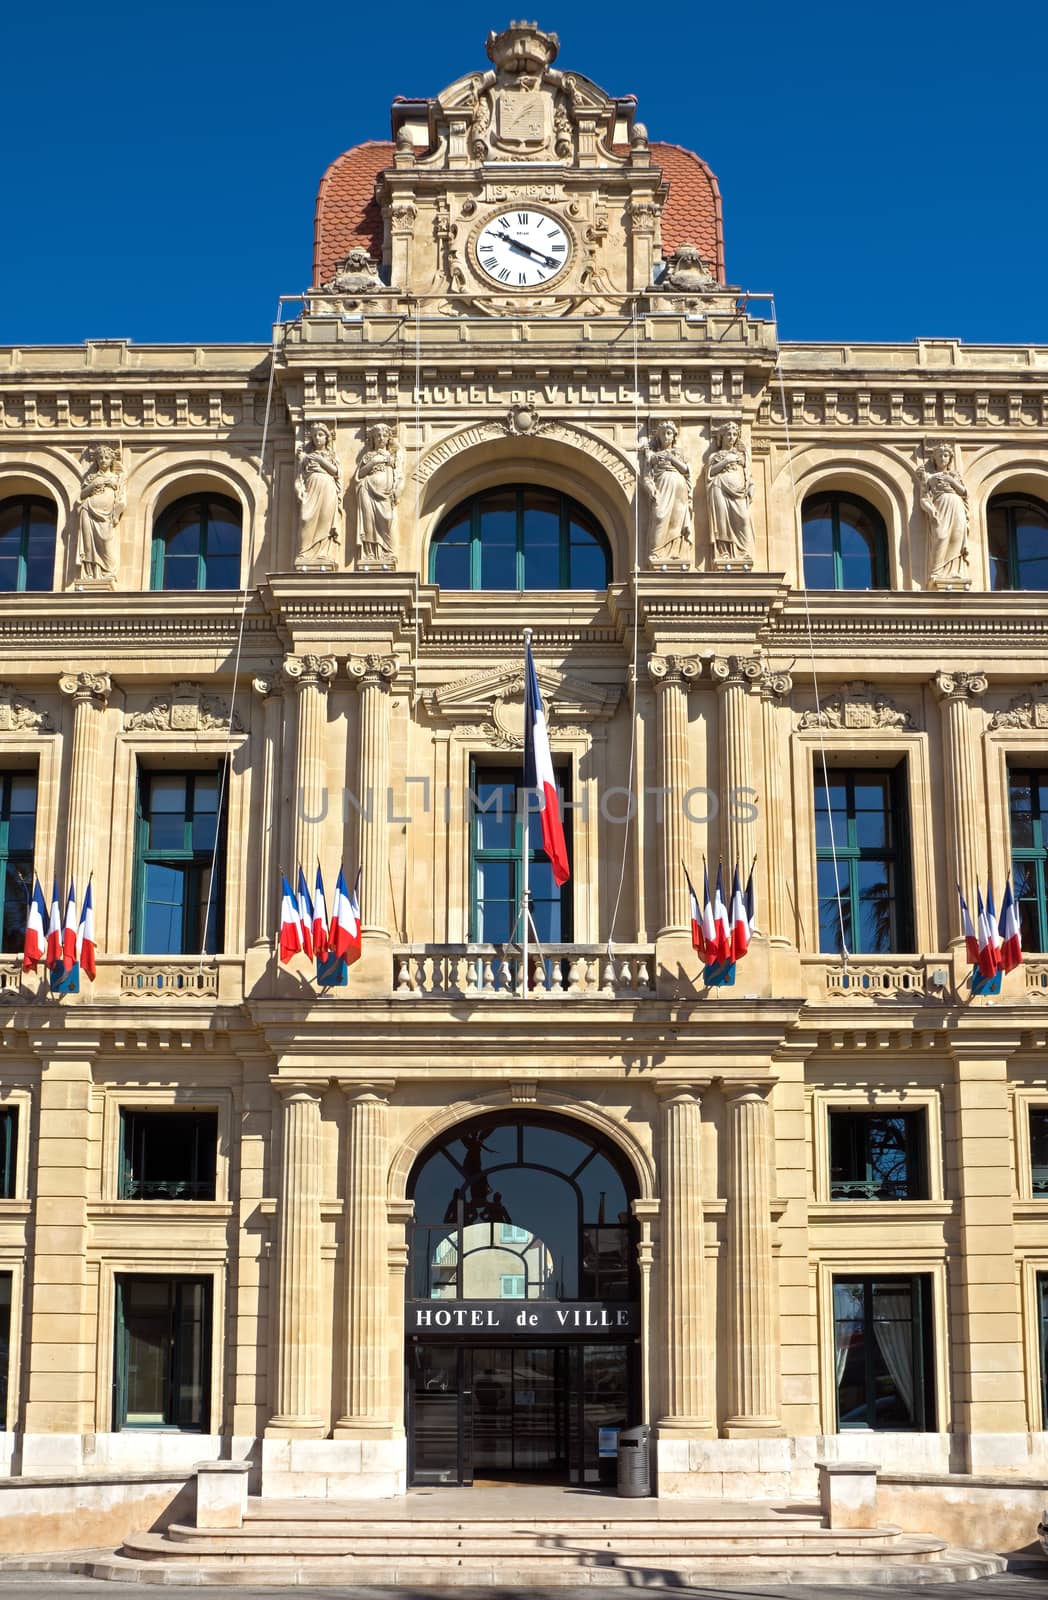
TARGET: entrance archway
(522,1316)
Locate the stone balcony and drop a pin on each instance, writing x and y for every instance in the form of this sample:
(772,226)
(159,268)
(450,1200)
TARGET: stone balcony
(480,971)
(911,979)
(123,978)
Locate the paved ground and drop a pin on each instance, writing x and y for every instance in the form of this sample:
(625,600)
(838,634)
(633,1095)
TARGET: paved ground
(1018,1585)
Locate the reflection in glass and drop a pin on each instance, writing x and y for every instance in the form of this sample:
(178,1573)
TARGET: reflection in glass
(520,538)
(861,861)
(1017,532)
(844,542)
(880,1353)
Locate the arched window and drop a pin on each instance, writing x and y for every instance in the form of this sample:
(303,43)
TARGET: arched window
(516,538)
(845,543)
(196,544)
(517,1207)
(1017,528)
(28,528)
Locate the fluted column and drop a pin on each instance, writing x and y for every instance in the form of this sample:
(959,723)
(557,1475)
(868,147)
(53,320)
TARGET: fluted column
(965,819)
(374,675)
(89,692)
(735,676)
(271,807)
(685,1320)
(751,1341)
(672,676)
(777,920)
(311,676)
(298,1272)
(366,1266)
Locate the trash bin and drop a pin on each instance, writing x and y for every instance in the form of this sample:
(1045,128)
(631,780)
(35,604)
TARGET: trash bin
(634,1476)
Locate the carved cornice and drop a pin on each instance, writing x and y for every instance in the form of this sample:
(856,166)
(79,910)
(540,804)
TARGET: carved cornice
(677,671)
(372,671)
(312,672)
(960,685)
(1027,710)
(87,686)
(18,712)
(857,706)
(745,671)
(184,709)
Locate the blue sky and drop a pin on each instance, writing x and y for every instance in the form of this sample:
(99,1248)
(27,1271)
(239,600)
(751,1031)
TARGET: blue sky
(883,168)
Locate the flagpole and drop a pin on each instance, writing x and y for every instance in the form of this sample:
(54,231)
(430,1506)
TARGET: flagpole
(525,891)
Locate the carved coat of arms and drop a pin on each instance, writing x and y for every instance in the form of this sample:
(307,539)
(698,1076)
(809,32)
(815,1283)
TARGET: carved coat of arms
(523,119)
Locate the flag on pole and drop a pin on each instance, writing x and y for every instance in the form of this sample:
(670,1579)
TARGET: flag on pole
(538,772)
(986,960)
(698,938)
(35,929)
(290,922)
(1009,930)
(69,930)
(344,940)
(85,936)
(721,921)
(751,902)
(320,919)
(709,921)
(991,917)
(305,915)
(54,928)
(740,925)
(971,938)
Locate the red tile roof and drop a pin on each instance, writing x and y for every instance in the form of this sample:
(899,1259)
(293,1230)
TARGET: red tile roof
(347,213)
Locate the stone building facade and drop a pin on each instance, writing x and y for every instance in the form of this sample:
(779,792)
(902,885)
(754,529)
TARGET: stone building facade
(263,605)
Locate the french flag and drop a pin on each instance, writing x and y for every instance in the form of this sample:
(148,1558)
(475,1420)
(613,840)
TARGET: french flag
(290,922)
(709,920)
(1009,930)
(538,771)
(991,918)
(721,921)
(740,922)
(305,915)
(986,956)
(751,902)
(35,945)
(320,919)
(54,928)
(69,930)
(85,936)
(971,941)
(698,938)
(344,940)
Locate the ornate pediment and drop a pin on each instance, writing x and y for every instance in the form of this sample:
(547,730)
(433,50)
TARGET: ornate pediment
(858,706)
(184,708)
(18,712)
(491,703)
(1027,710)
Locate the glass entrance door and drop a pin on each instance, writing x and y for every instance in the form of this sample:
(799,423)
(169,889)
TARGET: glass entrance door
(521,1411)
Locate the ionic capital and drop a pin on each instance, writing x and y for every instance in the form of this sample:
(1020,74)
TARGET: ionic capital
(746,1090)
(376,1092)
(682,1094)
(673,670)
(372,670)
(268,684)
(742,670)
(89,686)
(960,685)
(775,685)
(291,1090)
(314,672)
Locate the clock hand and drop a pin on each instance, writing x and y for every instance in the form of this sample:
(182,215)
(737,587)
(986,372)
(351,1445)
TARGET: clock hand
(528,250)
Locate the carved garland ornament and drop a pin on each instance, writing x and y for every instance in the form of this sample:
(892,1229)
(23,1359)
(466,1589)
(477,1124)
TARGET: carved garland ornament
(183,709)
(858,706)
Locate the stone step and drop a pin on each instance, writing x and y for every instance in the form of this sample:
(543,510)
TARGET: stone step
(427,1528)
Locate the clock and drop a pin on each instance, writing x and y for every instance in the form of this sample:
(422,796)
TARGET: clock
(523,249)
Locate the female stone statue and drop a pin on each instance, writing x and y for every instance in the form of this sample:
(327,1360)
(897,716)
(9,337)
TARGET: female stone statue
(729,495)
(103,496)
(318,485)
(379,479)
(666,479)
(944,501)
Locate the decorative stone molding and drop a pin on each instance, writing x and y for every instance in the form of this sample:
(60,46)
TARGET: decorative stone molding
(858,706)
(372,670)
(18,712)
(591,444)
(775,684)
(745,670)
(687,272)
(310,671)
(960,685)
(523,420)
(379,482)
(491,704)
(270,683)
(355,274)
(93,686)
(1027,710)
(673,670)
(183,709)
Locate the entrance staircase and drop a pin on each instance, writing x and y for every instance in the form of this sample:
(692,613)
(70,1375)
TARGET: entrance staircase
(533,1538)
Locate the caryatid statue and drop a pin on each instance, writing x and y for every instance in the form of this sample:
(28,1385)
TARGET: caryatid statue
(729,498)
(103,496)
(944,501)
(320,491)
(379,480)
(667,487)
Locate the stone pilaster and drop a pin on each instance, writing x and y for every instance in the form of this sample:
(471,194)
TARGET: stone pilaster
(672,676)
(271,792)
(366,1414)
(298,1282)
(374,676)
(89,692)
(752,1339)
(773,872)
(311,676)
(965,813)
(686,1392)
(735,676)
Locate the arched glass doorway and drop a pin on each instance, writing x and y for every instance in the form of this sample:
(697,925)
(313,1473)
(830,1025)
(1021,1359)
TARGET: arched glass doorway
(522,1310)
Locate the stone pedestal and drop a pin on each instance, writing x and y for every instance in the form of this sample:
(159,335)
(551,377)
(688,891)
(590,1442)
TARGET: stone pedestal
(848,1493)
(221,1493)
(751,1335)
(296,1415)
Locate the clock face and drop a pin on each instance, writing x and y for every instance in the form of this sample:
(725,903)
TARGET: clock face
(522,249)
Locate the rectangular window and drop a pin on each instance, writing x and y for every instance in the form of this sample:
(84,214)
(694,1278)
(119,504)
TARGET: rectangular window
(179,904)
(17,833)
(1042,1322)
(878,1155)
(168,1155)
(1039,1150)
(495,864)
(5,1343)
(882,1353)
(861,825)
(163,1349)
(8,1151)
(1028,815)
(511,1286)
(509,1233)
